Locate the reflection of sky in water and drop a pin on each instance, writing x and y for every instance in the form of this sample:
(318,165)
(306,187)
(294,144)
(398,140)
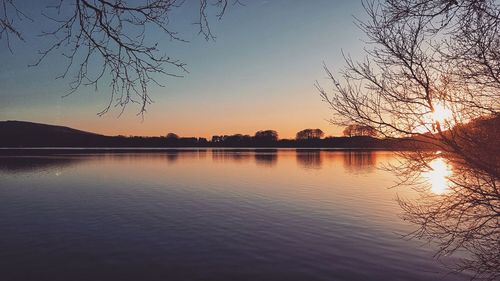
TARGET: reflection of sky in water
(208,215)
(438,176)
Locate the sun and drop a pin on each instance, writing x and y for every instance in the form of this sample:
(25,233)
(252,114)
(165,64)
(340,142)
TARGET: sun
(440,116)
(441,113)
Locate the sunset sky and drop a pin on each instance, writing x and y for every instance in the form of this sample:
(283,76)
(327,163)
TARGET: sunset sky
(257,74)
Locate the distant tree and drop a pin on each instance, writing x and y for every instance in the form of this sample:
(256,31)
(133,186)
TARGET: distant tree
(267,135)
(110,40)
(348,131)
(309,134)
(237,139)
(217,139)
(172,136)
(189,141)
(359,130)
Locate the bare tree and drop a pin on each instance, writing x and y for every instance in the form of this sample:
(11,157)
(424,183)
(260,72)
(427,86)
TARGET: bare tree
(432,75)
(464,217)
(106,40)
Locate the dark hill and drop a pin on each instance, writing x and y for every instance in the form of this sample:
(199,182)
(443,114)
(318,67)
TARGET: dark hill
(28,134)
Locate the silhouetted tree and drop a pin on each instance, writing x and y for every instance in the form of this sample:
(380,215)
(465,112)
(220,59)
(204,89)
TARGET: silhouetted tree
(237,140)
(266,135)
(432,67)
(202,141)
(308,134)
(114,34)
(358,130)
(217,139)
(172,136)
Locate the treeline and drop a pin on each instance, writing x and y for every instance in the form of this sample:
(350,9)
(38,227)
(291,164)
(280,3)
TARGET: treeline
(306,138)
(27,134)
(220,141)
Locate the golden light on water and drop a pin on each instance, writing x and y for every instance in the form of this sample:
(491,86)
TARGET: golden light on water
(438,176)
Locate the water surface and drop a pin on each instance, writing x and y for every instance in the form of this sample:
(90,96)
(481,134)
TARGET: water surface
(206,215)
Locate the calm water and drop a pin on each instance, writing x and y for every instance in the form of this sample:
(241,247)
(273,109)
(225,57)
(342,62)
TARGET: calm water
(206,215)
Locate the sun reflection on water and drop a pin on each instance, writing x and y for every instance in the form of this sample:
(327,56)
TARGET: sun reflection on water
(438,176)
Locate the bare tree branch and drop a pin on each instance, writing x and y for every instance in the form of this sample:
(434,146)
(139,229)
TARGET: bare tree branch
(9,15)
(107,40)
(432,75)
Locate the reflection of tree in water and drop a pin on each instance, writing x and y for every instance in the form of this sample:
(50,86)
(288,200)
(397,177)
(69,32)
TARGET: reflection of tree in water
(309,159)
(172,156)
(267,158)
(231,155)
(359,161)
(202,153)
(30,164)
(458,208)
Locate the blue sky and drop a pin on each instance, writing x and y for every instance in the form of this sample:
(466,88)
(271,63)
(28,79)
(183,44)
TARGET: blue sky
(257,74)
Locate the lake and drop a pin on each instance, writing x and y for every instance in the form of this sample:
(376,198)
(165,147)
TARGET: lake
(207,214)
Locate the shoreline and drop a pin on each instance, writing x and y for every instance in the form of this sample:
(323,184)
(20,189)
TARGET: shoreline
(8,151)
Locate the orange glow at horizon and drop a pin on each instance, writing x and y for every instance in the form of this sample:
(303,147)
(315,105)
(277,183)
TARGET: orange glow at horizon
(155,128)
(200,122)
